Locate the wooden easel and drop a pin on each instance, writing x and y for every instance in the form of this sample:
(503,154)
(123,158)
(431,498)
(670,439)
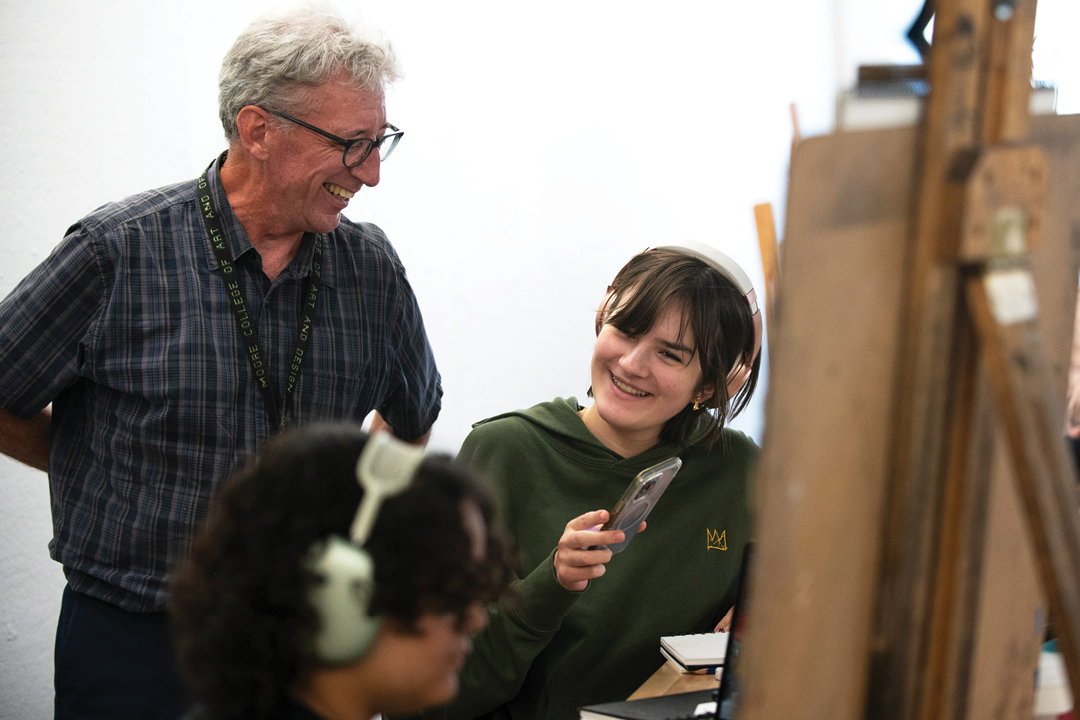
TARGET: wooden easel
(915,319)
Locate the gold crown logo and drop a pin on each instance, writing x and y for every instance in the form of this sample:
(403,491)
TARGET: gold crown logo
(714,541)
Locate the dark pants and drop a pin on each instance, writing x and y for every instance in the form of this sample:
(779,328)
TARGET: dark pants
(113,664)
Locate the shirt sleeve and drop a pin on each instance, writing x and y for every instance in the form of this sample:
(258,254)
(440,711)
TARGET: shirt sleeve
(46,323)
(521,623)
(415,398)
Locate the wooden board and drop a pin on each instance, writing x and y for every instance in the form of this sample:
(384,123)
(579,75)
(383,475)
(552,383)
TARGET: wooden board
(821,479)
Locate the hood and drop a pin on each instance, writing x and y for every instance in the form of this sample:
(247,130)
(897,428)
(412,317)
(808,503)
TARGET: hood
(560,417)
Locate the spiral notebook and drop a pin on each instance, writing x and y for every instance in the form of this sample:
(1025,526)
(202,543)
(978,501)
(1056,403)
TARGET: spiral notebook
(690,653)
(699,704)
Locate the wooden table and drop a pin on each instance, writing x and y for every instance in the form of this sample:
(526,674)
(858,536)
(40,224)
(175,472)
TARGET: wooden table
(668,681)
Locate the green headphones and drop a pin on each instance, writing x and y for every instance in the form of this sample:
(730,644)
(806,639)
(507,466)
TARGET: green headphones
(342,597)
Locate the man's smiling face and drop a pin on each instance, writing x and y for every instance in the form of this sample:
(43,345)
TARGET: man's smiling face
(311,184)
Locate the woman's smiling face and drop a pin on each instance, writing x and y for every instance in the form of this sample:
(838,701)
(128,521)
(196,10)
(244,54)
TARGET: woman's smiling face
(641,382)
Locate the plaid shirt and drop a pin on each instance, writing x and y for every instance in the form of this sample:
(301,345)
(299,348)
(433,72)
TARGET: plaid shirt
(126,328)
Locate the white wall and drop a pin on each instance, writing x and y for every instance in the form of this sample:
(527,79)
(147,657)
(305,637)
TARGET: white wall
(544,145)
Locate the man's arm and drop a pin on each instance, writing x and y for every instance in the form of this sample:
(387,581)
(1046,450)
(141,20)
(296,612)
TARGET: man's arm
(45,327)
(26,440)
(380,425)
(414,389)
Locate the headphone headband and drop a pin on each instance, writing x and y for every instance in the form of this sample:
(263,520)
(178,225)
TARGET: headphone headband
(385,468)
(721,263)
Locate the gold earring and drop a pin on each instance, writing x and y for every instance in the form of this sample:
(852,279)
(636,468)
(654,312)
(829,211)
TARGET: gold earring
(696,405)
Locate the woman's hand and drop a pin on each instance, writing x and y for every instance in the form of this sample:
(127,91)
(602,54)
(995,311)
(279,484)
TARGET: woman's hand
(725,622)
(575,564)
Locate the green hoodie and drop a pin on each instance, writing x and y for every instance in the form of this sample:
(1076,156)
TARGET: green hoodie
(547,651)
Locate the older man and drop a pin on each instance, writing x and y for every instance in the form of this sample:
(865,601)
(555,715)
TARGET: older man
(175,331)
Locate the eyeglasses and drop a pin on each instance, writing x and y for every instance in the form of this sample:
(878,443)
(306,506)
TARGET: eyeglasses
(357,149)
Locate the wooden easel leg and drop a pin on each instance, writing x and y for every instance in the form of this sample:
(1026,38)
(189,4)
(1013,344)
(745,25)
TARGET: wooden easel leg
(941,681)
(1003,310)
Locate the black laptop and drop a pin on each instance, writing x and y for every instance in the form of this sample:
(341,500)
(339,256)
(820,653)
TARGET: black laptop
(699,704)
(728,696)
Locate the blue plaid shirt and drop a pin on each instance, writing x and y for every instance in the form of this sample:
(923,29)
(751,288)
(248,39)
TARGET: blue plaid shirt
(126,328)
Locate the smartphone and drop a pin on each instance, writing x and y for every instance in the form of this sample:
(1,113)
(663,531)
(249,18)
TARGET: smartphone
(638,500)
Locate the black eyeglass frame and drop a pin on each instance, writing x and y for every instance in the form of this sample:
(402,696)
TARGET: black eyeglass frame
(393,137)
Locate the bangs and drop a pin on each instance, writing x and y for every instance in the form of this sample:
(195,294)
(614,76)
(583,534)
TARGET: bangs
(637,308)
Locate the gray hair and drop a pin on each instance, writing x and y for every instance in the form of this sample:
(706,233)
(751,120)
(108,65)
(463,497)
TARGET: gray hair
(280,56)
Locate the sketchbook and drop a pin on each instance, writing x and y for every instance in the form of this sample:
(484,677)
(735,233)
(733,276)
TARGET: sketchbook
(695,652)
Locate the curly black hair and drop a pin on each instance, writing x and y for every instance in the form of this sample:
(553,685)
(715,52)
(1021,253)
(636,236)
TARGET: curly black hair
(243,623)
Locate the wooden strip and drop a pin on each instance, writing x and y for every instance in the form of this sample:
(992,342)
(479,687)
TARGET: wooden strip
(1020,380)
(969,573)
(1004,603)
(941,670)
(766,232)
(1008,76)
(796,132)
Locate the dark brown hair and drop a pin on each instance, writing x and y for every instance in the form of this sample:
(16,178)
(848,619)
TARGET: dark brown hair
(715,311)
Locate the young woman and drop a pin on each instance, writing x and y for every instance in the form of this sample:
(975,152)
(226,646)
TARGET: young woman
(676,356)
(246,610)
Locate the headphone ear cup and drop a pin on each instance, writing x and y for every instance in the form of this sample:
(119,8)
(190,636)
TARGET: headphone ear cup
(737,378)
(342,600)
(740,373)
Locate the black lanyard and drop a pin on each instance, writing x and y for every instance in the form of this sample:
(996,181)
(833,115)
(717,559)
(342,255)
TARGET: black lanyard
(249,336)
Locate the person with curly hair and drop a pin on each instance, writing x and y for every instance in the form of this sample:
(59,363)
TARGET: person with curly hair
(244,610)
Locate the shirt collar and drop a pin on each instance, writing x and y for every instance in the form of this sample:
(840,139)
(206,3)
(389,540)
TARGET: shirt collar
(238,244)
(300,267)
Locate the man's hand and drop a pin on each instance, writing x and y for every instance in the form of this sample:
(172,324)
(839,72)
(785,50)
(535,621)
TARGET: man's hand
(575,564)
(26,440)
(380,425)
